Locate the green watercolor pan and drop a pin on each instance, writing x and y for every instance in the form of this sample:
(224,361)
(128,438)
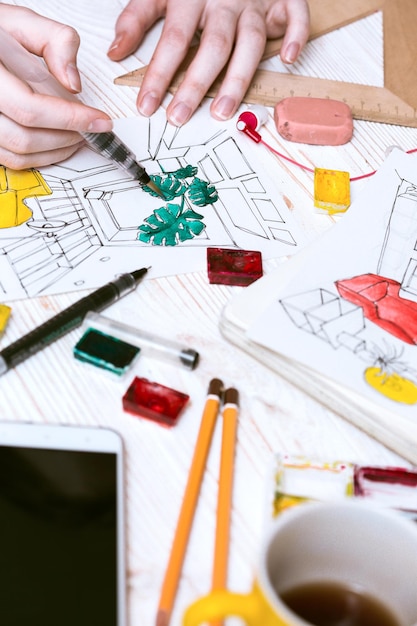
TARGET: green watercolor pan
(105,351)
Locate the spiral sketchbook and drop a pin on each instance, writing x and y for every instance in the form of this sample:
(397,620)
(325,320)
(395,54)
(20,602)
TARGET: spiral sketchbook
(339,319)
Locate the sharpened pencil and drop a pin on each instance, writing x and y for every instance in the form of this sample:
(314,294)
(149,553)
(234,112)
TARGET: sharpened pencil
(224,498)
(189,503)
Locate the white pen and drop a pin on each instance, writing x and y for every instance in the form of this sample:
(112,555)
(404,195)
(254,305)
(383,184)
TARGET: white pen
(30,68)
(150,344)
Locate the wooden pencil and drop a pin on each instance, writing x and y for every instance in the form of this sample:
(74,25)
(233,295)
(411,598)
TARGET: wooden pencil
(224,498)
(192,489)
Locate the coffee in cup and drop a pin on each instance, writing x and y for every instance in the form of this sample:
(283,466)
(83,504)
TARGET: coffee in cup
(327,564)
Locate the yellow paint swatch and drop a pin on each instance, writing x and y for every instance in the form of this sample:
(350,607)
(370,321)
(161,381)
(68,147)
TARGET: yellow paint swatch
(15,186)
(4,316)
(331,190)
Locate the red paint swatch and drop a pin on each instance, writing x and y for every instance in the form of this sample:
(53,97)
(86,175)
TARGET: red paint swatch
(391,486)
(154,401)
(233,267)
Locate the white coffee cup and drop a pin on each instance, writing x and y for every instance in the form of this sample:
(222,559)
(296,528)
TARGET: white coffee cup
(357,546)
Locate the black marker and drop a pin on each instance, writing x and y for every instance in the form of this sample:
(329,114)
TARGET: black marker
(67,320)
(30,68)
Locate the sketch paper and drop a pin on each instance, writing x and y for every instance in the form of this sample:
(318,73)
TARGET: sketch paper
(77,224)
(350,313)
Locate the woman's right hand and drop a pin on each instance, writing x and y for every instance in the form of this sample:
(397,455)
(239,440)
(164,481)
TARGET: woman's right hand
(38,130)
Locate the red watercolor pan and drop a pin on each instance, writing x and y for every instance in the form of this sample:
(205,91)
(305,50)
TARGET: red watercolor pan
(389,486)
(153,401)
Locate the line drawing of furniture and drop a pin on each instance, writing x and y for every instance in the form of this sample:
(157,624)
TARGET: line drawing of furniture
(381,304)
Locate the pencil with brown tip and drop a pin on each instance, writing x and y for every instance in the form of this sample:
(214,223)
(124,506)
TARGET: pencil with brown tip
(224,498)
(189,503)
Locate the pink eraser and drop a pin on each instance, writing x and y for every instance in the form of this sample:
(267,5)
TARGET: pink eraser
(317,121)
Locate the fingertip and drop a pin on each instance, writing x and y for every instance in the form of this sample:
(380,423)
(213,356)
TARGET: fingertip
(130,28)
(148,103)
(179,114)
(290,53)
(73,78)
(120,47)
(100,125)
(114,49)
(224,107)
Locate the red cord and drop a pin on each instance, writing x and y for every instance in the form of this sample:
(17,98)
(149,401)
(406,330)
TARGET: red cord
(308,169)
(304,167)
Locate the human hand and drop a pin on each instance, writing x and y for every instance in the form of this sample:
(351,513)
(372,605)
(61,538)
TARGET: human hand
(233,37)
(37,130)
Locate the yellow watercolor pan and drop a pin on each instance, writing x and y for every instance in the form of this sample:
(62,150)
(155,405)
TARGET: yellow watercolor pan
(5,312)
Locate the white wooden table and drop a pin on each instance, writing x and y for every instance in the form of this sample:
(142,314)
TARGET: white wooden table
(274,417)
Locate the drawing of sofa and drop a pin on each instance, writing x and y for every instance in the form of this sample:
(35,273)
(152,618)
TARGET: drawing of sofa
(381,303)
(327,316)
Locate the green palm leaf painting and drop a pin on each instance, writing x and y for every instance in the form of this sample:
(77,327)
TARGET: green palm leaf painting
(175,223)
(170,225)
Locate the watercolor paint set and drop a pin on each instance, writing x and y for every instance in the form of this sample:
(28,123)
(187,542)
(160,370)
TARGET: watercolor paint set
(298,479)
(114,347)
(105,351)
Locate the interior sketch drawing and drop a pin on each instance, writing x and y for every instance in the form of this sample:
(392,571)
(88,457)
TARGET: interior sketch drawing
(345,314)
(78,224)
(381,303)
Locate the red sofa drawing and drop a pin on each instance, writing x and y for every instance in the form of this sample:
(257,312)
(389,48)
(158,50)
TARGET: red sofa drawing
(381,303)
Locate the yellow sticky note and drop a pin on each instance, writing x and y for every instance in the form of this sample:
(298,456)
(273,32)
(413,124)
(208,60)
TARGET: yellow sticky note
(331,190)
(4,316)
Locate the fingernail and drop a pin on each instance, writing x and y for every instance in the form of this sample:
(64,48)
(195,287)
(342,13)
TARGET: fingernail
(73,78)
(290,53)
(180,114)
(100,125)
(224,108)
(115,44)
(148,104)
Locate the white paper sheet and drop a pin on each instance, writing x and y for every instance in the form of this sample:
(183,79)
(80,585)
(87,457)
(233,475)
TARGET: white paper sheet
(351,311)
(86,231)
